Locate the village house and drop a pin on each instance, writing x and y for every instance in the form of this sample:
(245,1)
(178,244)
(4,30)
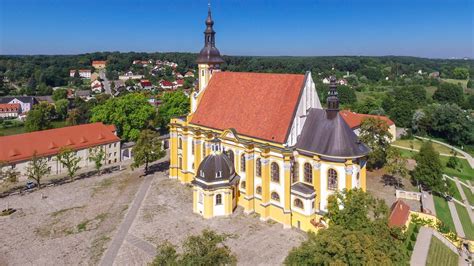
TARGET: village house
(83,73)
(18,150)
(26,102)
(189,74)
(167,85)
(10,110)
(97,86)
(98,64)
(145,84)
(354,120)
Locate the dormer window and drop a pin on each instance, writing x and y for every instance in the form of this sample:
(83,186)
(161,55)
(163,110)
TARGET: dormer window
(219,174)
(201,173)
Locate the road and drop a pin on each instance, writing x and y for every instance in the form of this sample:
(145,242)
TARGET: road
(469,158)
(105,82)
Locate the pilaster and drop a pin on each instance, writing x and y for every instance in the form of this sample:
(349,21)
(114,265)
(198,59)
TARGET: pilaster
(173,152)
(197,152)
(317,181)
(349,170)
(363,175)
(208,205)
(265,186)
(249,180)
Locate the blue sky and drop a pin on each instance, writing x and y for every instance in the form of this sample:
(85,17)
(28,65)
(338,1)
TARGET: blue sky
(426,28)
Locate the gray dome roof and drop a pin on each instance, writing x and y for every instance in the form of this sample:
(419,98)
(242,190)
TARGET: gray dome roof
(209,55)
(215,168)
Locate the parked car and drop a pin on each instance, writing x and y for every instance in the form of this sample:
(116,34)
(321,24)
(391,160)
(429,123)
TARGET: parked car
(30,184)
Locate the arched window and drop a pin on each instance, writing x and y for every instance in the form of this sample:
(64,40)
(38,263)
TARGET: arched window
(258,168)
(275,173)
(332,179)
(230,154)
(180,143)
(180,163)
(275,196)
(296,172)
(242,162)
(242,184)
(308,173)
(258,190)
(298,203)
(219,199)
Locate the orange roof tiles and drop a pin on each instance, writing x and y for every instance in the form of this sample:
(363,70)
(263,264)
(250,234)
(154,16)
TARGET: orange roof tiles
(354,120)
(399,214)
(9,107)
(21,147)
(258,105)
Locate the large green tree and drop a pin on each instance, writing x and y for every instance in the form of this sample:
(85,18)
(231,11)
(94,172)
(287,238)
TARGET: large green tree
(147,149)
(37,168)
(374,132)
(61,107)
(130,114)
(68,158)
(40,117)
(206,249)
(173,104)
(449,93)
(358,234)
(460,73)
(428,170)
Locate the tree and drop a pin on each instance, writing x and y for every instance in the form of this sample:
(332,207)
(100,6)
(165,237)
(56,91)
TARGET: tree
(31,85)
(428,170)
(61,108)
(346,95)
(374,132)
(97,155)
(147,149)
(460,73)
(7,173)
(449,93)
(73,117)
(40,117)
(68,158)
(205,249)
(130,114)
(173,104)
(453,162)
(4,88)
(59,94)
(37,168)
(470,84)
(358,234)
(396,165)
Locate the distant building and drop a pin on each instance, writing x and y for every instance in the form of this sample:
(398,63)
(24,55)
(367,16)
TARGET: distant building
(399,214)
(17,150)
(146,84)
(326,81)
(189,74)
(167,85)
(97,64)
(83,73)
(354,120)
(178,83)
(83,94)
(130,75)
(10,110)
(342,82)
(434,74)
(179,76)
(26,102)
(97,86)
(47,99)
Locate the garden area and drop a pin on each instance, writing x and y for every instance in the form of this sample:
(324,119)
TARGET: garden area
(443,213)
(13,127)
(440,255)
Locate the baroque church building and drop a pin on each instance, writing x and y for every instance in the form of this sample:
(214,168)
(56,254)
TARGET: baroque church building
(263,142)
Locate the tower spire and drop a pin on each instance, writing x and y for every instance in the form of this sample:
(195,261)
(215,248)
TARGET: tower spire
(333,99)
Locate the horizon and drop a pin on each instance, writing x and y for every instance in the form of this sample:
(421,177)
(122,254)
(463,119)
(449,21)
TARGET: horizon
(394,28)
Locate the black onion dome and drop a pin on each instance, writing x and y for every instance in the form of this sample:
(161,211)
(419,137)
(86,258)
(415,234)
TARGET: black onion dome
(209,54)
(331,137)
(216,170)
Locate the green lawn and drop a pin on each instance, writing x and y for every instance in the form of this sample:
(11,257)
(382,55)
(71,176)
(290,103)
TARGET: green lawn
(443,213)
(417,144)
(468,193)
(456,81)
(19,130)
(440,255)
(457,194)
(466,221)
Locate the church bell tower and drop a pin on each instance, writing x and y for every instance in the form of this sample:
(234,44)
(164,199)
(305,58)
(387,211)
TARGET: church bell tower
(209,60)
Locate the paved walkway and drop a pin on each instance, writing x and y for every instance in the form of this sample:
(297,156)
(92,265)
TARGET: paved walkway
(119,238)
(422,246)
(464,198)
(468,157)
(428,203)
(457,222)
(415,150)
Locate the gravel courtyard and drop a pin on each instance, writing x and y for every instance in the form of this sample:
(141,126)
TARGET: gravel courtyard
(69,224)
(166,214)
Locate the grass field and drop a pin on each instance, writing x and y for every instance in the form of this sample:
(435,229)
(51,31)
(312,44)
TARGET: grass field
(20,130)
(457,194)
(465,172)
(440,255)
(443,213)
(456,81)
(469,195)
(417,144)
(465,221)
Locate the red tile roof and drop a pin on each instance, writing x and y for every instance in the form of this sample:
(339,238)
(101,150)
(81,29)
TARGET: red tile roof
(16,148)
(258,105)
(9,107)
(354,120)
(97,62)
(166,83)
(399,214)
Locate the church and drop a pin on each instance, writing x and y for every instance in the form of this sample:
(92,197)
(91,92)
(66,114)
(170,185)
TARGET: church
(263,141)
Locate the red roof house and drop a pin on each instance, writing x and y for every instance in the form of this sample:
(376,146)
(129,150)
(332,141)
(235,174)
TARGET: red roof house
(354,120)
(399,215)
